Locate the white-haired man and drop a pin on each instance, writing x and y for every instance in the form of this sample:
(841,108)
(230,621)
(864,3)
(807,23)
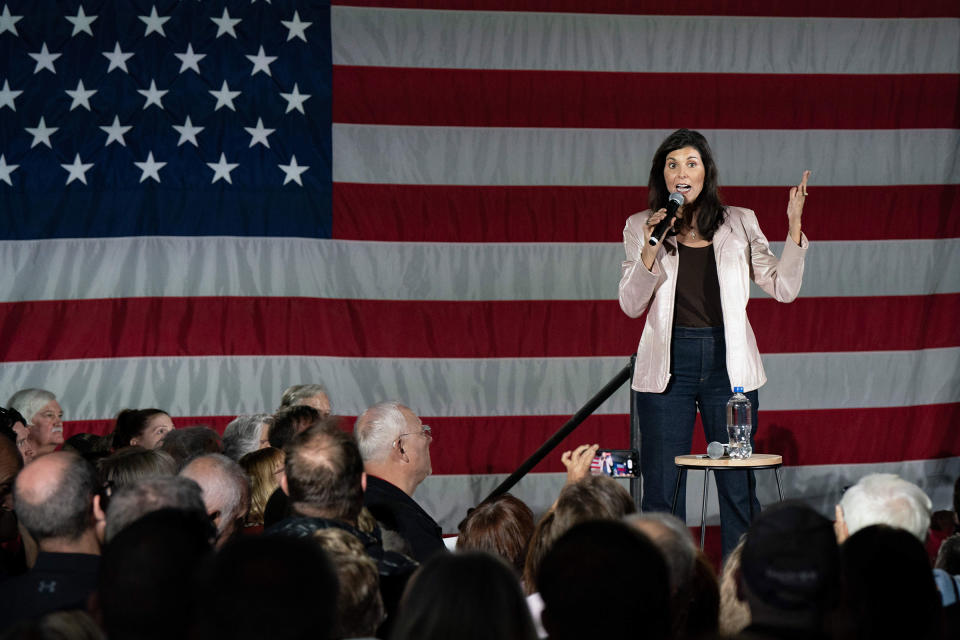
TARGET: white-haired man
(395,446)
(44,419)
(883,498)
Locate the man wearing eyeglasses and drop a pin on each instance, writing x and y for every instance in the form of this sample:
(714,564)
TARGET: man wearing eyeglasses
(395,446)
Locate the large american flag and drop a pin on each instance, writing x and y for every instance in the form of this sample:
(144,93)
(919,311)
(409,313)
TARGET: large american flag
(205,202)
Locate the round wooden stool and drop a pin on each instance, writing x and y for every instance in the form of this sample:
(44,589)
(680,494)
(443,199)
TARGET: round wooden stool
(701,462)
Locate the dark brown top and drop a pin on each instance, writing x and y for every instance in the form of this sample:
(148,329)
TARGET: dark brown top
(698,289)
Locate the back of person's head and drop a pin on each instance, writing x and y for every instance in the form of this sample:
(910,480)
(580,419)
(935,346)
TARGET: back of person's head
(790,564)
(702,616)
(60,625)
(359,603)
(262,467)
(53,496)
(268,587)
(10,465)
(225,487)
(674,541)
(147,571)
(600,573)
(88,445)
(676,544)
(314,395)
(129,464)
(888,587)
(948,557)
(244,434)
(884,498)
(324,471)
(502,526)
(289,421)
(189,442)
(468,596)
(131,502)
(734,612)
(592,498)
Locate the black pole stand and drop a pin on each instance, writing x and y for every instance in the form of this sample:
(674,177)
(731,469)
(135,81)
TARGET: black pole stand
(571,424)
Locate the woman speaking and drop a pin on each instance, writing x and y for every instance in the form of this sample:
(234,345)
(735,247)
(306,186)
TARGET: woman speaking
(697,343)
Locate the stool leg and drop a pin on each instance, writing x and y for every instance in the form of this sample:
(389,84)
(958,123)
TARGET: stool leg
(703,510)
(681,473)
(776,472)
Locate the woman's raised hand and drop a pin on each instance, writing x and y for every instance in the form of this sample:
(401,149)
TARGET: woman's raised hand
(798,197)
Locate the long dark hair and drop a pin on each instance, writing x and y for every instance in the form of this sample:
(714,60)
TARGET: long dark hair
(707,206)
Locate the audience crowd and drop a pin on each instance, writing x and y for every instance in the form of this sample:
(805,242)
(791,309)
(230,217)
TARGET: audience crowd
(291,525)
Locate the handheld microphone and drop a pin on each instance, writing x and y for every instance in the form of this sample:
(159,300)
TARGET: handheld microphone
(716,450)
(674,203)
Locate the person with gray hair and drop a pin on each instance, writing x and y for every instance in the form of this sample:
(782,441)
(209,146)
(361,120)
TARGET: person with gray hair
(226,492)
(395,446)
(149,494)
(883,498)
(246,433)
(54,502)
(313,395)
(44,418)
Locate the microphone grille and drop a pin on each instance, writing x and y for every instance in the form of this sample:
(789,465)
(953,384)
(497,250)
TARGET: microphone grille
(677,197)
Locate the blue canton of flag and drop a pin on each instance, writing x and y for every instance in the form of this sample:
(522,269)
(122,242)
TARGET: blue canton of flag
(121,118)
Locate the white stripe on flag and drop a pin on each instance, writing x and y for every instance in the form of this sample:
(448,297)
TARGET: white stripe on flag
(641,43)
(297,267)
(512,156)
(445,387)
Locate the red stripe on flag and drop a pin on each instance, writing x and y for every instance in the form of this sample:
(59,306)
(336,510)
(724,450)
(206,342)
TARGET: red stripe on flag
(508,98)
(480,445)
(147,327)
(805,8)
(445,213)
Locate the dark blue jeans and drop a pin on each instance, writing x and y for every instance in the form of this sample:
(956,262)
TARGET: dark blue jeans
(698,381)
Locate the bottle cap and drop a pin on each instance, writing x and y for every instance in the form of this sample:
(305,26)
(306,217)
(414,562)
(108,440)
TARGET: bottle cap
(738,389)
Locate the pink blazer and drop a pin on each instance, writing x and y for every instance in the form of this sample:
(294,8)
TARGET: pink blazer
(742,254)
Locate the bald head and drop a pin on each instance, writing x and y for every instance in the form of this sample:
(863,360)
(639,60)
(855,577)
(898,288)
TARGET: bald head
(53,496)
(226,491)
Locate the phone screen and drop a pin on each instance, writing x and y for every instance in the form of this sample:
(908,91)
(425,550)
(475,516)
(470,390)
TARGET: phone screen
(616,463)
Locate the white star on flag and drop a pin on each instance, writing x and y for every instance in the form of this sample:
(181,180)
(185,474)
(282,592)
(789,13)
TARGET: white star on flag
(225,24)
(81,23)
(115,132)
(44,59)
(189,59)
(6,170)
(259,134)
(188,133)
(9,22)
(293,171)
(222,168)
(224,97)
(78,170)
(41,133)
(295,99)
(153,95)
(7,96)
(150,168)
(81,96)
(296,28)
(154,22)
(261,62)
(118,59)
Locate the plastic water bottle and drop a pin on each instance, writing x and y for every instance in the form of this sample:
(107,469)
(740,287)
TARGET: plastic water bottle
(739,424)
